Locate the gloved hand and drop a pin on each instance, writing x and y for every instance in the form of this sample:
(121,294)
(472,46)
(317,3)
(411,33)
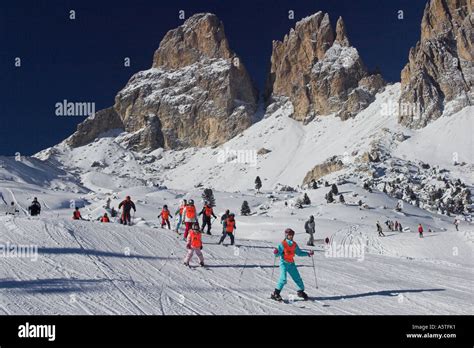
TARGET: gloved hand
(311,253)
(275,251)
(201,247)
(188,246)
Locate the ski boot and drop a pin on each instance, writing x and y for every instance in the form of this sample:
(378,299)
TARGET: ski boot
(302,294)
(186,264)
(201,263)
(276,296)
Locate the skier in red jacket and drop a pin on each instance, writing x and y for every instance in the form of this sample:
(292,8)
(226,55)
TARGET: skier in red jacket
(420,230)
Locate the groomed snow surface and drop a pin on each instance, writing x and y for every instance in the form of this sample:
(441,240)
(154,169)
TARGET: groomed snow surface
(95,268)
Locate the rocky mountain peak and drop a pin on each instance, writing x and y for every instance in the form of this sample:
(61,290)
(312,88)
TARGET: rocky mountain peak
(341,35)
(319,72)
(201,36)
(197,93)
(439,76)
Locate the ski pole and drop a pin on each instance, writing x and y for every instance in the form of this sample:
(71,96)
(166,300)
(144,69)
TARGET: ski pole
(314,269)
(273,269)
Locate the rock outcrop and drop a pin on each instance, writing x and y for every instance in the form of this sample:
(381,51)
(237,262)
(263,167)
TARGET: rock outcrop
(439,76)
(197,92)
(95,125)
(319,72)
(331,165)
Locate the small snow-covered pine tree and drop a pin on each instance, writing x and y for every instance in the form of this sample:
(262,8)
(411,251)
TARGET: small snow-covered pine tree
(329,197)
(341,199)
(245,209)
(334,189)
(306,199)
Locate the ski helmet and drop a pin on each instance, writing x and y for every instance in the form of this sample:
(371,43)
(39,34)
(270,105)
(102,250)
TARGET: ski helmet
(232,214)
(196,226)
(227,211)
(289,231)
(165,206)
(128,197)
(191,201)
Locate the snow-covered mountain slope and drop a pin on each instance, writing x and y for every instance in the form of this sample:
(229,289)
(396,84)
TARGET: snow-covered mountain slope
(443,142)
(94,268)
(295,149)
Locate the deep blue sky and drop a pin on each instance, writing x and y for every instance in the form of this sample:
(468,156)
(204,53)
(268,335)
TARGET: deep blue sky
(82,59)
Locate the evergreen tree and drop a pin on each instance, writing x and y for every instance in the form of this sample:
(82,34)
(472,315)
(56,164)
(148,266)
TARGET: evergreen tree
(258,183)
(360,203)
(306,199)
(314,185)
(299,203)
(341,199)
(245,209)
(208,196)
(334,189)
(329,197)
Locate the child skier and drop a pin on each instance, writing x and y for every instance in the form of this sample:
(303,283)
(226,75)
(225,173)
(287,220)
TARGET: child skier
(105,218)
(194,245)
(165,217)
(420,230)
(190,217)
(179,215)
(206,213)
(379,229)
(76,215)
(287,250)
(229,227)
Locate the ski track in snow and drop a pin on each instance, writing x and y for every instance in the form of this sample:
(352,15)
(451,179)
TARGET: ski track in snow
(87,260)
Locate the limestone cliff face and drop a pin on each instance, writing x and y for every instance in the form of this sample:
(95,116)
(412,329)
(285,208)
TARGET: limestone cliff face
(439,75)
(197,92)
(93,126)
(319,72)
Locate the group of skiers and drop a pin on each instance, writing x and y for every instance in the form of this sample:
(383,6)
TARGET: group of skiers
(187,214)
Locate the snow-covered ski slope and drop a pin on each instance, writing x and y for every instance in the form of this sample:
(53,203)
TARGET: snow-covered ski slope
(93,268)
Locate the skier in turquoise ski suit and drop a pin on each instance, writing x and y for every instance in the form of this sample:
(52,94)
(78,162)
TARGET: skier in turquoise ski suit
(287,264)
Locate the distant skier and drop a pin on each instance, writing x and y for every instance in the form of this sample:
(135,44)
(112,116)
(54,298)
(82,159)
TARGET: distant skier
(190,217)
(105,218)
(400,227)
(309,226)
(379,229)
(179,215)
(165,217)
(456,224)
(287,250)
(35,207)
(194,244)
(12,210)
(127,205)
(206,213)
(396,226)
(76,215)
(229,228)
(420,230)
(223,218)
